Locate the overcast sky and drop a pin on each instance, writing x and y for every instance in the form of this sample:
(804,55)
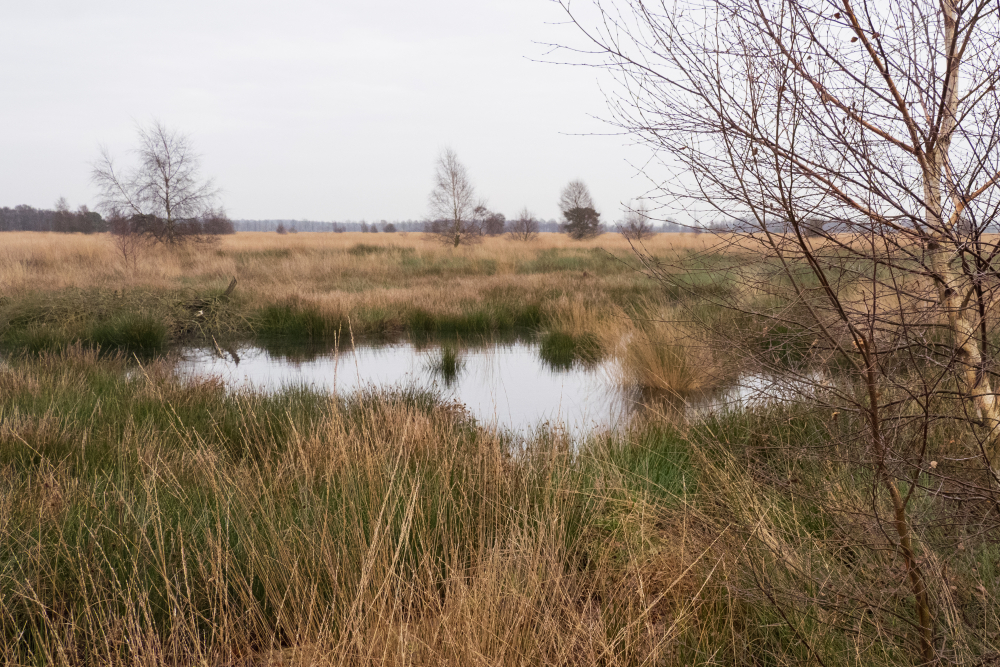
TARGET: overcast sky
(304,109)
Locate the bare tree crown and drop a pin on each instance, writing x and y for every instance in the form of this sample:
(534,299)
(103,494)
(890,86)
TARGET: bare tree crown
(453,202)
(453,196)
(524,227)
(636,223)
(575,195)
(164,184)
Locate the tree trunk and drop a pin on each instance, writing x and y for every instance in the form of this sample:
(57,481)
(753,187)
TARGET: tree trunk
(954,291)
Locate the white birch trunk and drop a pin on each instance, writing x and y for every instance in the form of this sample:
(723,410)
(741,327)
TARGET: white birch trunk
(954,289)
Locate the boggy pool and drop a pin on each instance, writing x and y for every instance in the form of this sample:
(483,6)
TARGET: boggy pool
(509,385)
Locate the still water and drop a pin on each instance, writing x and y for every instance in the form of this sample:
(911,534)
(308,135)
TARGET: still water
(507,385)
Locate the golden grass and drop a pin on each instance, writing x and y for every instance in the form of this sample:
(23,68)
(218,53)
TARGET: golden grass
(667,356)
(271,264)
(150,522)
(377,279)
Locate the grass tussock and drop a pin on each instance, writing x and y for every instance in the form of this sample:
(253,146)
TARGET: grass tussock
(659,348)
(447,364)
(562,350)
(108,322)
(663,356)
(297,322)
(129,332)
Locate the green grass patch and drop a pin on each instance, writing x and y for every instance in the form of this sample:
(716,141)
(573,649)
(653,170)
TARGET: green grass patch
(129,332)
(266,255)
(654,463)
(476,318)
(37,338)
(292,322)
(415,265)
(561,350)
(366,250)
(447,364)
(593,260)
(143,322)
(698,285)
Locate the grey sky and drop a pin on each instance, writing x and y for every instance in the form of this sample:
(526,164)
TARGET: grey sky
(307,109)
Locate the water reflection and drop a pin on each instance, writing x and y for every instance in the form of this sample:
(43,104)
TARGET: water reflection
(751,391)
(447,364)
(507,384)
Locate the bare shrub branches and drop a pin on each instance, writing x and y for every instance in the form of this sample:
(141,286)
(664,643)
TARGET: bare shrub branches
(851,152)
(524,227)
(636,223)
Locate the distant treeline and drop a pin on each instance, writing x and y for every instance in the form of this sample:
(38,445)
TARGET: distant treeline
(210,223)
(292,226)
(24,218)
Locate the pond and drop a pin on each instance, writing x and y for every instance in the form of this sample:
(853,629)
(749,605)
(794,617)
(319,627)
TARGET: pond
(509,385)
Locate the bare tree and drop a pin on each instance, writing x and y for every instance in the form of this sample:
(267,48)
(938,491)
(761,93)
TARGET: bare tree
(636,226)
(581,219)
(128,242)
(857,144)
(524,227)
(453,202)
(575,195)
(163,192)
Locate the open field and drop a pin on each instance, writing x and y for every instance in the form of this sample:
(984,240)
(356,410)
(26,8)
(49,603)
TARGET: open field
(317,261)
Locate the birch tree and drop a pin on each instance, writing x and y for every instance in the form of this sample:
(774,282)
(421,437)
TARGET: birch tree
(453,202)
(162,194)
(851,149)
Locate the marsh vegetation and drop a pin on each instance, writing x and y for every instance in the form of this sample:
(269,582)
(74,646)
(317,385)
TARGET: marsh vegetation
(319,288)
(156,517)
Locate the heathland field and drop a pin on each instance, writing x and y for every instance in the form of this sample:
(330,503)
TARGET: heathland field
(151,520)
(581,297)
(60,288)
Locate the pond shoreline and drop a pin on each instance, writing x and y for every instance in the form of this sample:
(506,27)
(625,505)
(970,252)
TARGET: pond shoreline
(509,384)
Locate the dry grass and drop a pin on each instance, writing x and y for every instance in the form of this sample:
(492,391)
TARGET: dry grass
(583,294)
(666,356)
(373,283)
(148,522)
(277,266)
(653,349)
(201,528)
